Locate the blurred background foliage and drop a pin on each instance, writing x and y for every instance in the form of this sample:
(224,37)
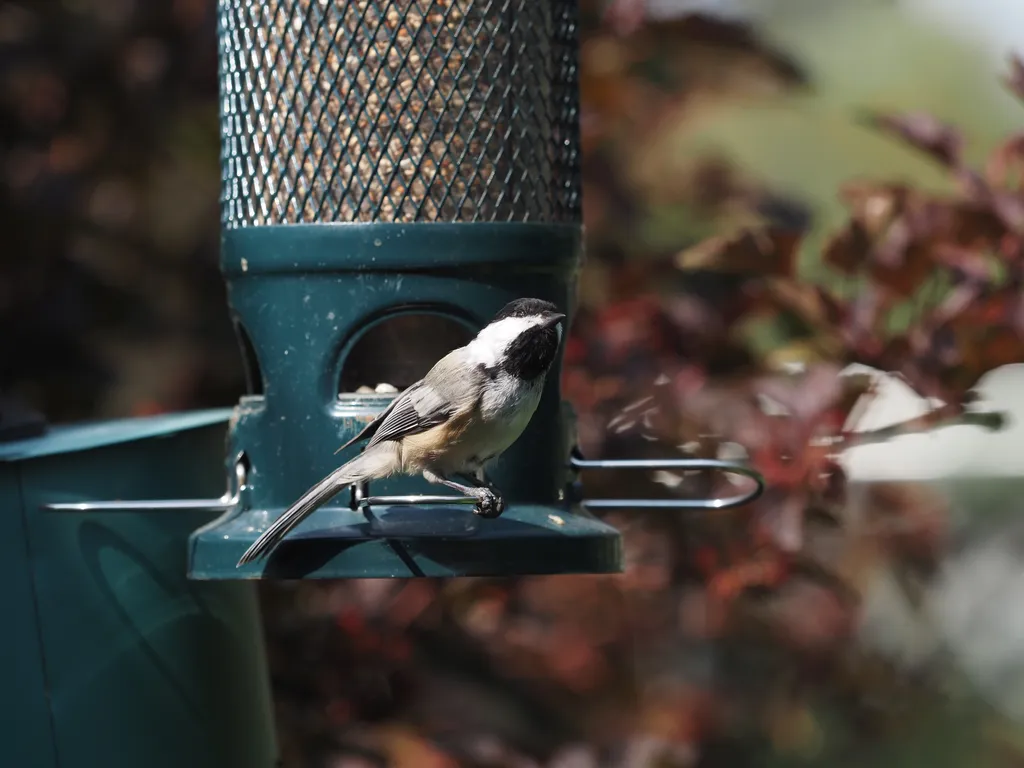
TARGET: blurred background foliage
(726,249)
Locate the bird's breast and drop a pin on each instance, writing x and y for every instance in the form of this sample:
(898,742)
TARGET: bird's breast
(510,400)
(505,409)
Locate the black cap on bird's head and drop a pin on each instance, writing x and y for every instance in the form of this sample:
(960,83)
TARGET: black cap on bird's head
(529,308)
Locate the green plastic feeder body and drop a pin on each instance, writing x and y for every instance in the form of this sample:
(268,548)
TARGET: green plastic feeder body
(382,162)
(110,656)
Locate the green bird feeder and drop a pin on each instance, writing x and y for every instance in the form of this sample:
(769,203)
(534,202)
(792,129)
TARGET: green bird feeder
(394,173)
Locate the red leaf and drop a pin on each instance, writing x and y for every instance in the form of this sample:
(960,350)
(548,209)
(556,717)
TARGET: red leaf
(889,224)
(905,272)
(987,311)
(891,249)
(766,571)
(973,224)
(1015,79)
(926,133)
(751,251)
(874,205)
(1010,209)
(813,304)
(848,250)
(1000,346)
(1005,166)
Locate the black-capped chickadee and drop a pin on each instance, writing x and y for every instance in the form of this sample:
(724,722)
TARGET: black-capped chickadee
(469,408)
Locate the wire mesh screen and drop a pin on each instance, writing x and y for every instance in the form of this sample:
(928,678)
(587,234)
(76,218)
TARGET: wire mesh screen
(452,110)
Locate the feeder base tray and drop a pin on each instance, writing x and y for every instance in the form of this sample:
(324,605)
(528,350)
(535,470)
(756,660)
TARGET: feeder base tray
(408,541)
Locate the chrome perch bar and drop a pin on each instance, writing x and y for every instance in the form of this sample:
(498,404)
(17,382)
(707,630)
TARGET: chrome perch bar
(225,503)
(360,499)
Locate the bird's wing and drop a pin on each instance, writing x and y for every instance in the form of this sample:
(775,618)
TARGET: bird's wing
(417,409)
(448,386)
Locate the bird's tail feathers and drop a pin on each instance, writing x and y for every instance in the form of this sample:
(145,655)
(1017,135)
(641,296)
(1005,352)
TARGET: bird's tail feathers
(376,463)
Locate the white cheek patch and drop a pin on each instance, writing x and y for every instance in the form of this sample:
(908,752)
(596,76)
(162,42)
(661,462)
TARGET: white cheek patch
(493,340)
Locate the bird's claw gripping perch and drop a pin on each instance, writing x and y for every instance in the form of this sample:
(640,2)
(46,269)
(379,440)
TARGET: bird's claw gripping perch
(490,505)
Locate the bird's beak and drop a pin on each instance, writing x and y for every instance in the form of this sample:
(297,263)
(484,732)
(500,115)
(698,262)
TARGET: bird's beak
(552,319)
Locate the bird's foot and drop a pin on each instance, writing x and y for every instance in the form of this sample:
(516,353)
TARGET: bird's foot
(489,504)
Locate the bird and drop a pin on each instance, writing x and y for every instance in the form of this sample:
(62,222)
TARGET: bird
(471,406)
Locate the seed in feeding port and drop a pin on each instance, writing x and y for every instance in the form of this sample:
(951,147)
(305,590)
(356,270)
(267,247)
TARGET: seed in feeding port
(364,390)
(386,389)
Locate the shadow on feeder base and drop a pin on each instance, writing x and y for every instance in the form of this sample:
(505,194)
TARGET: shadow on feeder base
(410,542)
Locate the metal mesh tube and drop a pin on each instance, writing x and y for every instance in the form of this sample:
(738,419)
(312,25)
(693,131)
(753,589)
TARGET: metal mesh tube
(402,111)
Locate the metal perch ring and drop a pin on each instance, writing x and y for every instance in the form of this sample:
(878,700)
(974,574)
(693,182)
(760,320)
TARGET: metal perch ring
(732,468)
